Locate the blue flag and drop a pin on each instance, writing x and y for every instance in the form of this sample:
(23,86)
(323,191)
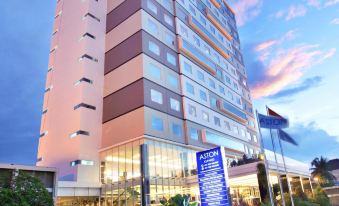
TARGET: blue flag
(286,137)
(272,122)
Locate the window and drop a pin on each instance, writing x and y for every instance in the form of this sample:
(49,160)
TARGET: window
(189,88)
(171,59)
(173,81)
(153,47)
(152,7)
(235,85)
(227,125)
(205,116)
(222,90)
(203,20)
(212,29)
(192,9)
(169,39)
(213,102)
(80,132)
(236,129)
(43,134)
(230,95)
(200,76)
(152,26)
(82,162)
(175,104)
(176,129)
(238,101)
(219,73)
(157,124)
(255,139)
(83,80)
(228,79)
(217,121)
(154,71)
(188,67)
(168,20)
(156,96)
(85,106)
(242,132)
(211,83)
(192,110)
(184,31)
(196,41)
(203,96)
(207,50)
(194,133)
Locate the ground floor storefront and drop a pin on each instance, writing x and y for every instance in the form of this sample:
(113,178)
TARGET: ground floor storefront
(150,172)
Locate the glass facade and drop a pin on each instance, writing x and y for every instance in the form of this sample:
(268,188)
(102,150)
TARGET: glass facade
(167,170)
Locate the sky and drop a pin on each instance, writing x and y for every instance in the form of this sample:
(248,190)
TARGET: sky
(291,51)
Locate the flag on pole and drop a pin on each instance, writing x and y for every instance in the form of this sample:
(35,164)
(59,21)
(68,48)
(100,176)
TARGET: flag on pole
(272,122)
(286,137)
(273,113)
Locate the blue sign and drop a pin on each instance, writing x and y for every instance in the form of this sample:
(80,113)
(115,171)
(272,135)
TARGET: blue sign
(271,122)
(212,178)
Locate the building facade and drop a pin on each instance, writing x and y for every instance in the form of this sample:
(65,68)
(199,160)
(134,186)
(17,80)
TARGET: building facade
(134,89)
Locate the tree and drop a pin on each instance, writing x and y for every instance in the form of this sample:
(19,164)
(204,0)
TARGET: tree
(25,190)
(321,171)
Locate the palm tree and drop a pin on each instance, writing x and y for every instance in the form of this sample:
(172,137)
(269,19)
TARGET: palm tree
(320,170)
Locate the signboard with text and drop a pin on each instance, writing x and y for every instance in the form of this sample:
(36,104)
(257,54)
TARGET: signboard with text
(212,177)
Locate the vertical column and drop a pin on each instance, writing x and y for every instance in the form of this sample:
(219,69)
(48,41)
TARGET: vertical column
(145,183)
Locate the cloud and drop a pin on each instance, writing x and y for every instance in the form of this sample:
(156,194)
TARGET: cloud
(321,4)
(265,45)
(309,137)
(292,12)
(288,66)
(335,21)
(275,68)
(246,10)
(331,3)
(305,85)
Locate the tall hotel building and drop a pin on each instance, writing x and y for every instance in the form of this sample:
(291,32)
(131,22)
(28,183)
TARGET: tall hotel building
(134,89)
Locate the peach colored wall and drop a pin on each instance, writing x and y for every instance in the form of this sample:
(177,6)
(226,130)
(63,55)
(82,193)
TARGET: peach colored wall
(123,128)
(123,30)
(118,79)
(57,149)
(112,4)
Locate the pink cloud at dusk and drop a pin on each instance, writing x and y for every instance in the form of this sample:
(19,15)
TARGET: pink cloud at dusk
(246,10)
(287,67)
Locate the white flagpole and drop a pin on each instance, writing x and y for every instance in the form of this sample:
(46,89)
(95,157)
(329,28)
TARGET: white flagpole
(276,162)
(265,161)
(288,182)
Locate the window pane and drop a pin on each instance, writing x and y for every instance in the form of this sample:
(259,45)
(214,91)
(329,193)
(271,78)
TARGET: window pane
(203,96)
(168,20)
(189,88)
(152,7)
(177,131)
(154,71)
(194,134)
(171,59)
(153,28)
(187,67)
(153,47)
(173,81)
(157,124)
(192,111)
(205,116)
(175,104)
(156,96)
(200,76)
